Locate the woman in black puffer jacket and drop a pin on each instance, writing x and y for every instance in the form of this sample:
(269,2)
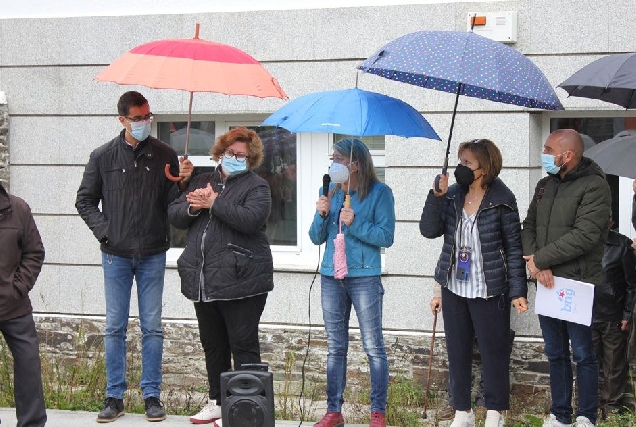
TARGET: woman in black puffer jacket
(481,269)
(226,267)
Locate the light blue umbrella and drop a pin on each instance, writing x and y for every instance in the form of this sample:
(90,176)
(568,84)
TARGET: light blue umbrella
(353,112)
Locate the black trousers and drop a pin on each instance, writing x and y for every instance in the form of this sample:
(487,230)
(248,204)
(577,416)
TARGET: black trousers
(610,345)
(489,321)
(22,339)
(229,329)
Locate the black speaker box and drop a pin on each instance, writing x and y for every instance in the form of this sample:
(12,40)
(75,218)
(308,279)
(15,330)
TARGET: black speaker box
(247,398)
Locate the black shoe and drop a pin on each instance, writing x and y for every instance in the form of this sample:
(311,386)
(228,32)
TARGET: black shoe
(113,409)
(154,409)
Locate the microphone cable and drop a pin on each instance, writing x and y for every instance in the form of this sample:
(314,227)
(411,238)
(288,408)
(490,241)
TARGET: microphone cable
(301,407)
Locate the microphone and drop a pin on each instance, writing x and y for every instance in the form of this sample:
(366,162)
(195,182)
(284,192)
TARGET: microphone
(326,180)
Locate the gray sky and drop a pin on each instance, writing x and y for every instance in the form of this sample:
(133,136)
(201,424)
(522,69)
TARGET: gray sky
(65,8)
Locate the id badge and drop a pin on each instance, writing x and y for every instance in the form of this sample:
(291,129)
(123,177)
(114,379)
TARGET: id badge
(463,264)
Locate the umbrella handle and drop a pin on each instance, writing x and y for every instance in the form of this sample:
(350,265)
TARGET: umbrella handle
(347,201)
(437,179)
(170,176)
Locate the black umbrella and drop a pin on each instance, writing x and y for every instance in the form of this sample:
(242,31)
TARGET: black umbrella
(616,156)
(610,79)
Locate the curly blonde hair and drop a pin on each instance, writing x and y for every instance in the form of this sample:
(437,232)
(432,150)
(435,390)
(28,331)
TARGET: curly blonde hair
(240,134)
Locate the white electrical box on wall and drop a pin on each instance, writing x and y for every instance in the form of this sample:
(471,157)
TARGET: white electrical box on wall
(499,26)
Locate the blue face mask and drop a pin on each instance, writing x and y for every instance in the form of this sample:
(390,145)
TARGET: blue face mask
(140,130)
(232,166)
(547,161)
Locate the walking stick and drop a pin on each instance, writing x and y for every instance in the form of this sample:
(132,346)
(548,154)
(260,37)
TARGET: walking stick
(430,366)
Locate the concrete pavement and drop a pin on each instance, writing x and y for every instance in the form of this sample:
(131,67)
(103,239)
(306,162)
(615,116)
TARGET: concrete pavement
(57,418)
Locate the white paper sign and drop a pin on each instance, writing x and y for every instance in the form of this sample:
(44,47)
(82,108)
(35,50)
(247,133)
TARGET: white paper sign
(569,300)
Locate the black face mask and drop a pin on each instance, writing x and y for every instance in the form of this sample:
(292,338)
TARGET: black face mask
(464,175)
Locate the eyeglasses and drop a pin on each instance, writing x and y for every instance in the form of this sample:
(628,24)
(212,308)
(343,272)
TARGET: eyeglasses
(476,141)
(147,118)
(241,157)
(339,159)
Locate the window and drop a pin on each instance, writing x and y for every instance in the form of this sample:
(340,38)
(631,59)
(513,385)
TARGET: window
(294,165)
(279,170)
(376,145)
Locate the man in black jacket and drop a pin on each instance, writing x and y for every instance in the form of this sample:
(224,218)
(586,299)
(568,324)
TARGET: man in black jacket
(613,306)
(21,258)
(127,176)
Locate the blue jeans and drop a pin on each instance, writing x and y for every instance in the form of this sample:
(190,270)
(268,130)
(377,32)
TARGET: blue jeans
(337,296)
(119,272)
(556,335)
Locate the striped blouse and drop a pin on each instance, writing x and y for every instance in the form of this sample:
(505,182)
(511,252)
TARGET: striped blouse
(467,235)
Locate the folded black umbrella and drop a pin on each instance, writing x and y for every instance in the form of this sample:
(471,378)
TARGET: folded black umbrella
(610,79)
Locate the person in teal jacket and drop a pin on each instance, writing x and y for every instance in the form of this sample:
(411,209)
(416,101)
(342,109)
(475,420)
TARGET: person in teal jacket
(368,225)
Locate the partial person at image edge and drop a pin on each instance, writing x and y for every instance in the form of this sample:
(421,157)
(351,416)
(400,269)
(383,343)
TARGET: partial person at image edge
(20,265)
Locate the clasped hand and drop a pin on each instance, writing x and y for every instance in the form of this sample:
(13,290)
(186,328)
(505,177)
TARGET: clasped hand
(201,198)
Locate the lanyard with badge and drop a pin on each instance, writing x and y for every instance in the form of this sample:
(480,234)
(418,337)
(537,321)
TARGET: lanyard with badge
(464,257)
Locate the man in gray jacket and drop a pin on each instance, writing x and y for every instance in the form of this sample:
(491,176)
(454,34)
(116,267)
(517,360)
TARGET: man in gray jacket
(21,259)
(564,235)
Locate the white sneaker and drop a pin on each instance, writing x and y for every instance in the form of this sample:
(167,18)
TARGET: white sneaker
(582,421)
(551,421)
(218,423)
(209,414)
(463,419)
(494,419)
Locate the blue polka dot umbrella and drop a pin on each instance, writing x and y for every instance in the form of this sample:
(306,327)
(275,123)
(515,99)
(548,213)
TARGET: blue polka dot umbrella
(464,63)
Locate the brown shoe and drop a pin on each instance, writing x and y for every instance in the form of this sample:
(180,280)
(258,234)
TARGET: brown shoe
(331,419)
(377,420)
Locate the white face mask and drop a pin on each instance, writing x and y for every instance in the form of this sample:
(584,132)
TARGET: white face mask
(339,173)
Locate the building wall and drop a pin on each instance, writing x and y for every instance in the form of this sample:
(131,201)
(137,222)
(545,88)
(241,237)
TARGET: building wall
(59,114)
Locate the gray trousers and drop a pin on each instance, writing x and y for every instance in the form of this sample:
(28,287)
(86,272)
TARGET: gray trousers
(22,339)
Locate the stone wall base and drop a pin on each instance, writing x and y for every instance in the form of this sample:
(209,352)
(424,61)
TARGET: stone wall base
(285,350)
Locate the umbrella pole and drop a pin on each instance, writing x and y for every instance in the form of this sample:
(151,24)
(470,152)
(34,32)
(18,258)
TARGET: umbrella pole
(450,137)
(185,155)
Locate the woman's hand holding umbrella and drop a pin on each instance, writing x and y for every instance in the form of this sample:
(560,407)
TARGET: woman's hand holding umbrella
(442,183)
(201,198)
(347,215)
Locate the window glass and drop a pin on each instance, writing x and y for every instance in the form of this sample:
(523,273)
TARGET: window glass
(201,136)
(279,170)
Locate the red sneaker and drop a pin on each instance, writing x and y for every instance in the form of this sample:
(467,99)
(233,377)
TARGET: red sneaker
(377,420)
(331,419)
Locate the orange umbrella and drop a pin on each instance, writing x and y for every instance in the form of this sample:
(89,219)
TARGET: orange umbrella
(193,65)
